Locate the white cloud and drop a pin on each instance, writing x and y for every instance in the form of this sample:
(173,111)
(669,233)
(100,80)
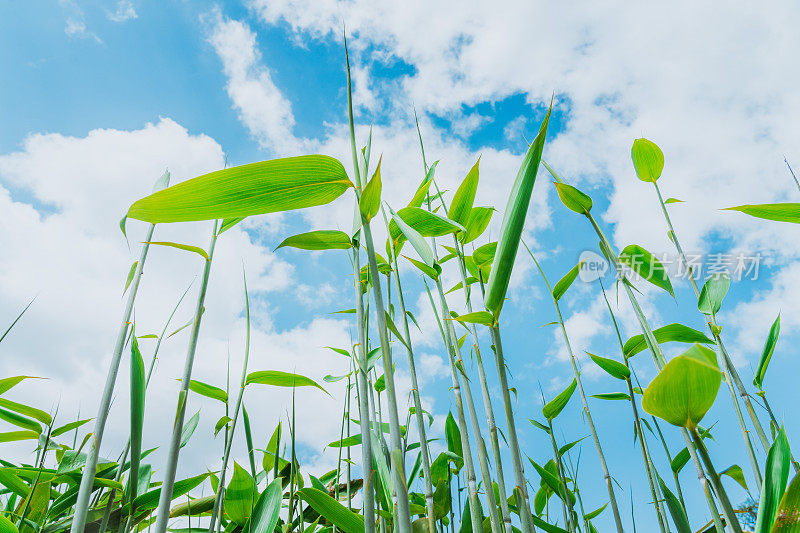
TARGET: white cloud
(124,11)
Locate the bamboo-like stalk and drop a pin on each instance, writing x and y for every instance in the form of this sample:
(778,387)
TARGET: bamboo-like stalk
(469,468)
(419,414)
(584,402)
(727,367)
(658,358)
(174,449)
(229,442)
(648,461)
(483,462)
(521,490)
(715,479)
(562,477)
(93,454)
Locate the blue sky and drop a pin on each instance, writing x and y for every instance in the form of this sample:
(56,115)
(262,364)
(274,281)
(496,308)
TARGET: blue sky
(100,97)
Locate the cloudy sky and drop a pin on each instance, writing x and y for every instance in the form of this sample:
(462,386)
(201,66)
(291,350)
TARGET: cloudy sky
(99,98)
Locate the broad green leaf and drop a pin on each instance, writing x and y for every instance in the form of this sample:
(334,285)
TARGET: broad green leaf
(672,201)
(209,391)
(276,378)
(333,511)
(564,283)
(415,238)
(221,423)
(353,440)
(714,290)
(318,240)
(573,199)
(138,386)
(370,201)
(478,317)
(13,482)
(554,407)
(267,510)
(736,473)
(669,333)
(547,527)
(647,266)
(484,256)
(188,429)
(685,389)
(27,410)
(766,353)
(426,223)
(20,421)
(776,475)
(393,328)
(464,197)
(595,513)
(247,190)
(13,436)
(240,495)
(453,435)
(228,223)
(554,483)
(611,396)
(675,509)
(149,500)
(193,507)
(187,247)
(432,272)
(8,383)
(7,526)
(785,212)
(477,223)
(612,367)
(787,518)
(648,160)
(131,273)
(422,191)
(514,221)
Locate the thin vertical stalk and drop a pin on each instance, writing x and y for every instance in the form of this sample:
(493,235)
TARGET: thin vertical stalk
(480,444)
(174,449)
(487,399)
(731,375)
(715,479)
(584,402)
(236,409)
(419,414)
(469,468)
(562,477)
(92,455)
(521,489)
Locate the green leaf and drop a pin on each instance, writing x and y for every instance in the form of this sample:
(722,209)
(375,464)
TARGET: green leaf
(484,256)
(415,238)
(149,500)
(612,367)
(464,197)
(573,199)
(595,513)
(209,391)
(478,317)
(672,201)
(669,333)
(192,508)
(554,407)
(319,240)
(247,190)
(27,410)
(7,526)
(138,386)
(189,248)
(736,473)
(422,190)
(675,509)
(477,223)
(554,483)
(514,221)
(7,384)
(432,272)
(714,290)
(784,212)
(20,421)
(69,427)
(766,353)
(788,515)
(228,223)
(776,475)
(647,266)
(267,510)
(353,440)
(453,435)
(188,429)
(333,511)
(240,495)
(648,160)
(276,378)
(14,436)
(611,396)
(564,283)
(131,273)
(393,328)
(370,201)
(221,423)
(685,389)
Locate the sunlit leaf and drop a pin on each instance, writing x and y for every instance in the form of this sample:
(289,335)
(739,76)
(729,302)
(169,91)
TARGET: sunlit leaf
(648,160)
(647,266)
(766,353)
(318,240)
(554,407)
